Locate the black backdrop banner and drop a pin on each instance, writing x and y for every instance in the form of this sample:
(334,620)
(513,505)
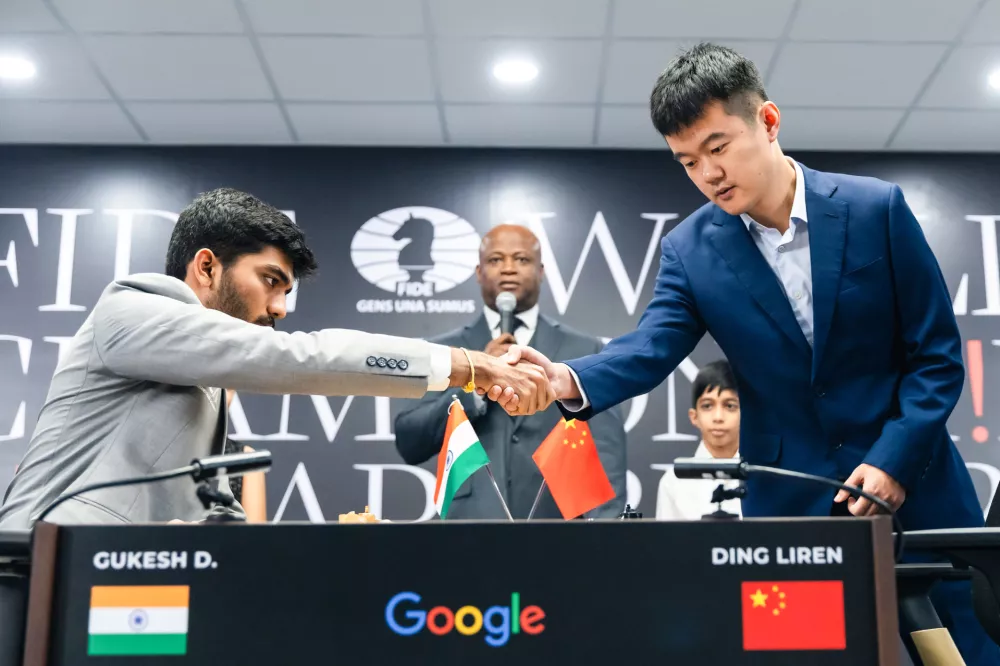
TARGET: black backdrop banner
(396,233)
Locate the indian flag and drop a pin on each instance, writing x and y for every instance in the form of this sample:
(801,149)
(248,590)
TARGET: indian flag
(138,620)
(461,455)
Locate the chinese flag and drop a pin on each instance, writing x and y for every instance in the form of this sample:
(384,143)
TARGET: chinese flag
(793,615)
(572,469)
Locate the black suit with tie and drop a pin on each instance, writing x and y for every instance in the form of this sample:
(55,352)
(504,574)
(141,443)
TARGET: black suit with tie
(510,441)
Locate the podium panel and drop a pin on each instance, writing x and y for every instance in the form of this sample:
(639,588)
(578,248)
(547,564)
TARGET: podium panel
(788,591)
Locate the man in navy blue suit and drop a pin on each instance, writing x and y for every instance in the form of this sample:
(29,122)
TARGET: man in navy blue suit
(830,306)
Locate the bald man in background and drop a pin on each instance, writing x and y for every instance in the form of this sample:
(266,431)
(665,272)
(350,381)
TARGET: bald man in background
(510,260)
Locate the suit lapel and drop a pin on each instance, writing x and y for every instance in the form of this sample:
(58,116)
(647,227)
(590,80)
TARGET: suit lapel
(477,334)
(731,239)
(827,235)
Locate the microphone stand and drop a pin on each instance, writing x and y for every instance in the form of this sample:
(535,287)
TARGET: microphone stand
(117,483)
(720,495)
(200,470)
(697,468)
(853,490)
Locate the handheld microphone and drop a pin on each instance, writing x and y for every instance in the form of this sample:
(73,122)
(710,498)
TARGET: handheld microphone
(737,468)
(234,464)
(506,302)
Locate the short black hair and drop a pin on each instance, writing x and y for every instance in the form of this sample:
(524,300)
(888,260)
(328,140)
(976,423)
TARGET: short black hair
(231,224)
(715,375)
(697,77)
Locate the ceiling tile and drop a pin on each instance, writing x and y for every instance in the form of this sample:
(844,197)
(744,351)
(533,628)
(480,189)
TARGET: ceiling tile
(350,69)
(633,66)
(520,125)
(568,70)
(63,69)
(336,17)
(715,19)
(858,75)
(950,131)
(836,129)
(628,127)
(217,124)
(985,26)
(151,15)
(65,122)
(963,82)
(519,18)
(162,67)
(882,21)
(27,15)
(367,124)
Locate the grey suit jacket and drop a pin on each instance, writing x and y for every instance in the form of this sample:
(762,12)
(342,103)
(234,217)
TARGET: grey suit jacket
(510,441)
(138,392)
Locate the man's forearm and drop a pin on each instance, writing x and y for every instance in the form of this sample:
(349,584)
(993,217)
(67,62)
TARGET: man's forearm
(462,372)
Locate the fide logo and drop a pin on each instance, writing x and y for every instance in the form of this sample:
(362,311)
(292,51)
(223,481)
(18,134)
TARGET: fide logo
(416,251)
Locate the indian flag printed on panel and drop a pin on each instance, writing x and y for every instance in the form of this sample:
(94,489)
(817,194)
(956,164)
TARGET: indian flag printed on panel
(461,455)
(138,620)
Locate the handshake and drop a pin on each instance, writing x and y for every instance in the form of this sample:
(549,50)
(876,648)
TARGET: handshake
(522,381)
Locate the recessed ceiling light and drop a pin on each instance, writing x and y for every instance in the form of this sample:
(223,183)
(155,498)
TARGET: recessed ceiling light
(16,69)
(995,79)
(515,71)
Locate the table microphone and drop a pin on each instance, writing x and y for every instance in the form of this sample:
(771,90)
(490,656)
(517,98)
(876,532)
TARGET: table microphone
(506,302)
(200,469)
(737,468)
(231,464)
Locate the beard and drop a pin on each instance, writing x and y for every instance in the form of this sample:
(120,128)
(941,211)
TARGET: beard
(229,300)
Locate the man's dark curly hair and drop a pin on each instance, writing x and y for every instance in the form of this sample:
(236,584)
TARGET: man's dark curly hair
(231,224)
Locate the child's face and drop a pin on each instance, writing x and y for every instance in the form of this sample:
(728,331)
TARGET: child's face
(717,416)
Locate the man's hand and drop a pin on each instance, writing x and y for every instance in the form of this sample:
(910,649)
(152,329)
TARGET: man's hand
(521,389)
(500,346)
(558,374)
(875,482)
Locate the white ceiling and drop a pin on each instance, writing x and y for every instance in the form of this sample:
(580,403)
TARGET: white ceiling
(848,74)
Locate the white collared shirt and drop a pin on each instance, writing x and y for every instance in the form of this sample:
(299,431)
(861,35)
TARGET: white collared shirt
(524,333)
(690,499)
(788,255)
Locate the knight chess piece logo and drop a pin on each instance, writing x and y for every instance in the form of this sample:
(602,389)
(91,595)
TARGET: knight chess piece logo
(416,251)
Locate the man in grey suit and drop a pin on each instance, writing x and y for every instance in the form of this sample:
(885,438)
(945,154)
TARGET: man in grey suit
(510,260)
(142,386)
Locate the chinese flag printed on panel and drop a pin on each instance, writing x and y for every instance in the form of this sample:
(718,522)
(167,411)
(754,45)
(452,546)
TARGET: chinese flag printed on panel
(793,615)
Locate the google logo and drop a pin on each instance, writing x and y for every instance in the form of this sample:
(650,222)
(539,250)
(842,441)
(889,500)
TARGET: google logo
(500,622)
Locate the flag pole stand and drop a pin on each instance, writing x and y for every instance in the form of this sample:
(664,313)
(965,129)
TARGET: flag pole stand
(489,470)
(538,498)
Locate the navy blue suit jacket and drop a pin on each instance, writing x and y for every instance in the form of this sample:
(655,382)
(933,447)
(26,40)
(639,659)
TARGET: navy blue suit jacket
(879,383)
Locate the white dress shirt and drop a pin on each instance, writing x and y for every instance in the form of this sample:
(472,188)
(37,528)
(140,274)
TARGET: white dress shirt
(690,499)
(788,256)
(440,377)
(524,333)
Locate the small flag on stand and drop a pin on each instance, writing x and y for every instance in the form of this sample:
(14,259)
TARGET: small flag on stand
(461,455)
(572,469)
(793,615)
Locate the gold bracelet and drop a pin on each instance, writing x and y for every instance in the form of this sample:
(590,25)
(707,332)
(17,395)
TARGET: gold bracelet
(471,386)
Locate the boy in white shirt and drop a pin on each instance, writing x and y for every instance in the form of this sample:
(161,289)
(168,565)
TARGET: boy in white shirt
(715,411)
